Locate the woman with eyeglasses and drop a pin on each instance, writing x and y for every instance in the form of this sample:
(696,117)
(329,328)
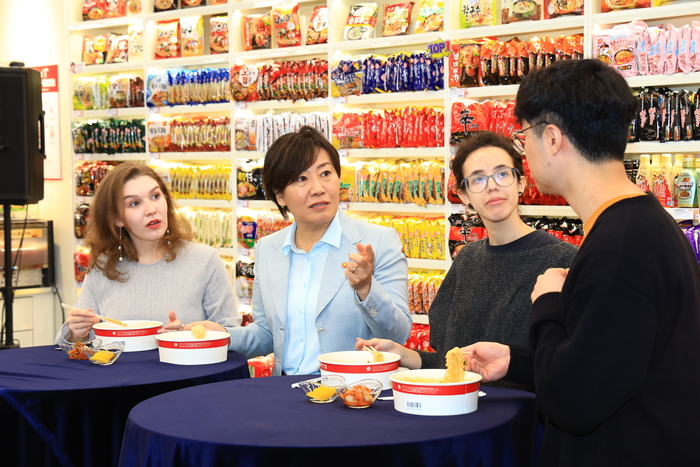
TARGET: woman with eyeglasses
(486,293)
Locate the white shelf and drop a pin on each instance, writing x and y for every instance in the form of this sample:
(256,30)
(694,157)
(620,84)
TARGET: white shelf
(505,91)
(549,211)
(673,10)
(676,79)
(392,153)
(684,214)
(291,53)
(415,98)
(127,156)
(204,203)
(394,207)
(418,263)
(301,105)
(110,68)
(420,318)
(256,204)
(245,155)
(409,40)
(221,158)
(226,251)
(521,28)
(199,61)
(104,23)
(175,14)
(110,113)
(192,109)
(656,147)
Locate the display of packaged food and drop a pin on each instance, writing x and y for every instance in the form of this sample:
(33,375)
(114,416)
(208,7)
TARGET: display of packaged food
(115,8)
(191,3)
(165,5)
(118,51)
(317,32)
(614,5)
(135,39)
(134,7)
(557,8)
(361,22)
(477,13)
(94,9)
(430,17)
(520,10)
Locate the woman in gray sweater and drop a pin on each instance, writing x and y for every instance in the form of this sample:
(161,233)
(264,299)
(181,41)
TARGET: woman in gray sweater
(486,293)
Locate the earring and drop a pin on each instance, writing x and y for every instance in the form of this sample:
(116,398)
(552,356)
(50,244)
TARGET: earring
(282,205)
(120,244)
(167,234)
(520,193)
(469,205)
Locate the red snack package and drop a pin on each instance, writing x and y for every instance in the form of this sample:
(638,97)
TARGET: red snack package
(287,25)
(257,32)
(218,39)
(94,9)
(397,19)
(115,8)
(167,39)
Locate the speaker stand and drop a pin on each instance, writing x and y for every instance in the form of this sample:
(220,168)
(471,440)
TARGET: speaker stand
(7,293)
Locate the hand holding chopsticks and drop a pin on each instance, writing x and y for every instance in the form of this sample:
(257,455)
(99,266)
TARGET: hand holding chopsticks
(103,318)
(378,356)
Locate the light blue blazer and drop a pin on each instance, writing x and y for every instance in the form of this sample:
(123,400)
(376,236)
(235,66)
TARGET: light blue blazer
(340,318)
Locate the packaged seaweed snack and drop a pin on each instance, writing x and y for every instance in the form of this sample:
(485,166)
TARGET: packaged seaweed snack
(318,26)
(361,22)
(218,41)
(257,32)
(397,19)
(191,36)
(431,16)
(167,39)
(165,5)
(477,13)
(520,10)
(94,9)
(287,26)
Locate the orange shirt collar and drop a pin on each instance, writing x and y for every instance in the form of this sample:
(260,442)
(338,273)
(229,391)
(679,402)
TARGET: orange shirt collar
(588,225)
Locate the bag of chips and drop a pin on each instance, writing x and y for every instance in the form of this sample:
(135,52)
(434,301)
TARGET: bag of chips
(167,39)
(191,36)
(361,22)
(287,25)
(318,26)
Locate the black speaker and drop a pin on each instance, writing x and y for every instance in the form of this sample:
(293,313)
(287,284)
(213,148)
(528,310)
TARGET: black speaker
(22,151)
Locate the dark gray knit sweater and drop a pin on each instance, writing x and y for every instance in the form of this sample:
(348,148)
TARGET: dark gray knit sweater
(486,293)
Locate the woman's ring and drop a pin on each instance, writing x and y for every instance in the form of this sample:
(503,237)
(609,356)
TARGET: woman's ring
(354,269)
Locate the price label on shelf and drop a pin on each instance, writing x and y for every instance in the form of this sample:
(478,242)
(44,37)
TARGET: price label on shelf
(155,155)
(77,67)
(344,205)
(456,93)
(243,204)
(684,213)
(340,100)
(239,105)
(154,110)
(457,209)
(343,152)
(77,113)
(112,112)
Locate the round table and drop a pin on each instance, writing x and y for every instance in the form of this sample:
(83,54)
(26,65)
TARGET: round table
(263,421)
(57,411)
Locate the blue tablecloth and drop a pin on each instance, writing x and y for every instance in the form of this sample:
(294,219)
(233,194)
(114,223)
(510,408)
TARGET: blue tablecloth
(56,411)
(264,422)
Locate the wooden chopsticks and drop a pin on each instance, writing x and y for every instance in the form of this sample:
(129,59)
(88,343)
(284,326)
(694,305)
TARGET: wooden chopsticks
(378,357)
(103,318)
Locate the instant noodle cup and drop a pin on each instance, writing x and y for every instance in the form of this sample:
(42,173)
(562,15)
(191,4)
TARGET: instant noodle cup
(136,336)
(421,392)
(183,348)
(355,365)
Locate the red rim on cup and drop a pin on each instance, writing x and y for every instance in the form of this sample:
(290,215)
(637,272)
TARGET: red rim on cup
(355,365)
(138,335)
(182,348)
(415,393)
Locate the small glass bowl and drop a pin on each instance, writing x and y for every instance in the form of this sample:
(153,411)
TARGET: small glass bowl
(360,394)
(87,350)
(114,348)
(319,390)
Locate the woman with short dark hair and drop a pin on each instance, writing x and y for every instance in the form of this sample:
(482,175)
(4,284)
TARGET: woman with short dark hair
(327,278)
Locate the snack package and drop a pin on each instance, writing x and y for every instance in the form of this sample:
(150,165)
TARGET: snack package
(191,36)
(346,77)
(94,9)
(318,26)
(165,5)
(257,32)
(477,13)
(90,56)
(520,10)
(347,182)
(167,39)
(191,3)
(244,82)
(218,40)
(118,48)
(397,19)
(361,22)
(431,16)
(157,89)
(118,91)
(158,135)
(614,5)
(287,26)
(115,8)
(557,8)
(135,36)
(134,7)
(218,2)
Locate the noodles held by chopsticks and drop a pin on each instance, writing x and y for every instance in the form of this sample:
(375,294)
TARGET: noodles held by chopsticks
(455,366)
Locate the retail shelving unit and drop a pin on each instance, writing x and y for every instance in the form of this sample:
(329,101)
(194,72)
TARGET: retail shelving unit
(677,13)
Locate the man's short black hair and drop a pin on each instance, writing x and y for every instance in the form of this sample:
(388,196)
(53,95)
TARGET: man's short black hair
(588,100)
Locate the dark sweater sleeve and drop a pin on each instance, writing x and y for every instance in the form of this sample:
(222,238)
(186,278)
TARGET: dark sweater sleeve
(521,369)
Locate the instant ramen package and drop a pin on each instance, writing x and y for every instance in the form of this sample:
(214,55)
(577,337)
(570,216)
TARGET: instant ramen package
(520,10)
(556,8)
(191,36)
(94,9)
(397,19)
(477,13)
(191,3)
(244,82)
(167,39)
(318,26)
(431,16)
(361,22)
(218,2)
(135,33)
(115,8)
(218,40)
(614,5)
(287,25)
(257,32)
(134,7)
(164,5)
(95,49)
(118,48)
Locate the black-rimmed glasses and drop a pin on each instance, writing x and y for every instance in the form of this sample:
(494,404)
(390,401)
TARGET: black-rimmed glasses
(519,136)
(477,183)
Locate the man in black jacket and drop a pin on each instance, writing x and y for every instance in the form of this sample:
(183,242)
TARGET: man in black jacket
(614,341)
